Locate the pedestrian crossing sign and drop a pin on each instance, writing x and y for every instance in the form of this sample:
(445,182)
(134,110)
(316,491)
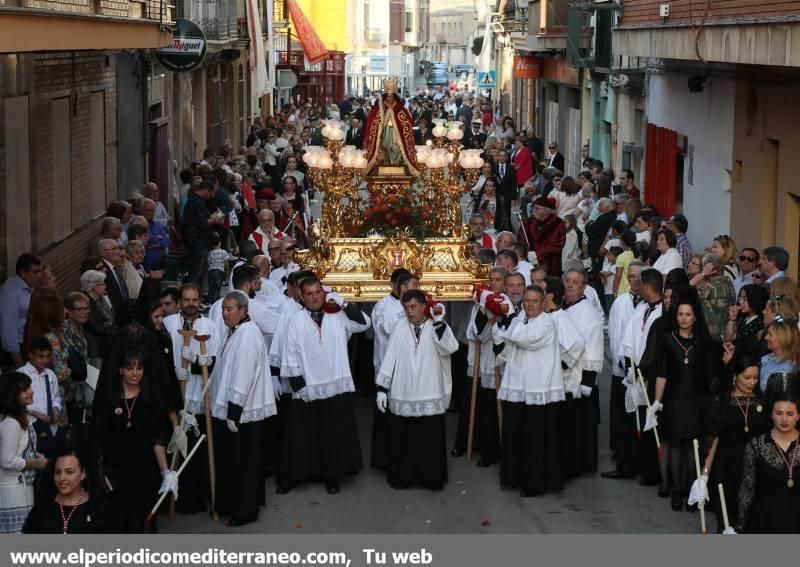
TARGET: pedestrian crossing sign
(487,79)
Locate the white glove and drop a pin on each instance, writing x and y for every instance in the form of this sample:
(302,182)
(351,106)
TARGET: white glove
(203,360)
(651,420)
(630,377)
(482,298)
(189,421)
(276,387)
(440,317)
(381,401)
(170,483)
(699,490)
(335,298)
(188,354)
(182,374)
(179,442)
(586,391)
(729,531)
(232,426)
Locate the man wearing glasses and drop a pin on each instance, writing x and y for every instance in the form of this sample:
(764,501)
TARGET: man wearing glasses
(554,157)
(113,257)
(748,272)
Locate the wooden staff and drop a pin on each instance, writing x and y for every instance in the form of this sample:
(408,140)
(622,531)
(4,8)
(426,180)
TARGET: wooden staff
(187,335)
(499,402)
(724,506)
(180,470)
(212,469)
(476,372)
(702,503)
(647,399)
(638,423)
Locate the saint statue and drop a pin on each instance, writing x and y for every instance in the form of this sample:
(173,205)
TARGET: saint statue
(389,137)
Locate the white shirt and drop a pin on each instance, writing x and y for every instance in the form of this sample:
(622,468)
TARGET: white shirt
(488,360)
(590,324)
(668,261)
(619,315)
(571,347)
(386,314)
(532,374)
(40,389)
(743,280)
(634,338)
(319,355)
(203,326)
(418,375)
(241,376)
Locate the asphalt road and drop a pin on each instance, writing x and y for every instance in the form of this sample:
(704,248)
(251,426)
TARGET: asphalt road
(471,502)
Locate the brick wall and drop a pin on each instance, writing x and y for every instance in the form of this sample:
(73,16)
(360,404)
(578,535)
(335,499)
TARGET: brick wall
(77,75)
(643,12)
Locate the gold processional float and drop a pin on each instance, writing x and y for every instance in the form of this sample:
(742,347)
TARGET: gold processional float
(381,213)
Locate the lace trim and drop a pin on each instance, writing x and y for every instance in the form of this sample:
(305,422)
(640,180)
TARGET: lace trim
(248,416)
(531,398)
(419,408)
(194,406)
(327,390)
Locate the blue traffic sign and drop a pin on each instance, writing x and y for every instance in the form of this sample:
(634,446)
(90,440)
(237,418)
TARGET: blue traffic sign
(487,79)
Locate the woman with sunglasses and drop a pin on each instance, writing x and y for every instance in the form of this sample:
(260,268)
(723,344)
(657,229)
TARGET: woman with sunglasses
(746,318)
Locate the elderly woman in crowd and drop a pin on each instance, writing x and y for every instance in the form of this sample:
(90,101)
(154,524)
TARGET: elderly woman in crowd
(695,265)
(716,294)
(77,310)
(100,326)
(670,258)
(724,247)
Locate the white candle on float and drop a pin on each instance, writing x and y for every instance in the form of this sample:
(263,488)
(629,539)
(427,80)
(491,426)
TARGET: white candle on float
(455,132)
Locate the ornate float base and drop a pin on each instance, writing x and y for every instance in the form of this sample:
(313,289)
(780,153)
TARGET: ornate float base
(359,268)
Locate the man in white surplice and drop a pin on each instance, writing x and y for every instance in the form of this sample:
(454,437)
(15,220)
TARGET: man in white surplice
(532,389)
(415,383)
(242,398)
(386,314)
(321,434)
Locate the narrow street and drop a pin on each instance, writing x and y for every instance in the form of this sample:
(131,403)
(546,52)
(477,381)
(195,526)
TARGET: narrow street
(471,498)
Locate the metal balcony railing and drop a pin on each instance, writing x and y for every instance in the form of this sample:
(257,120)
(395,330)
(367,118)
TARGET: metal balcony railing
(220,20)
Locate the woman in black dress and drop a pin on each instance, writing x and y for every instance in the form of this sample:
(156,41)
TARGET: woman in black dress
(130,423)
(733,417)
(746,318)
(71,500)
(687,368)
(769,495)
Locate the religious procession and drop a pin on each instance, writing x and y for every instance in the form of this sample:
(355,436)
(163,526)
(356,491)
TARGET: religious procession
(405,285)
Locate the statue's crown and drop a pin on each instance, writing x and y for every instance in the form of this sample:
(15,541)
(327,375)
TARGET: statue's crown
(390,85)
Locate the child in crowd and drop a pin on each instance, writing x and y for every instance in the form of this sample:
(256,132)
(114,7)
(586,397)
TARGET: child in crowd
(607,274)
(46,410)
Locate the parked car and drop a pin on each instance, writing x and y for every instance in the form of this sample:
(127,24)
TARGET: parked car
(437,78)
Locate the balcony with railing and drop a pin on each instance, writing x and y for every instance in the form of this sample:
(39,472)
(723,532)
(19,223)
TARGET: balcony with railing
(220,20)
(548,26)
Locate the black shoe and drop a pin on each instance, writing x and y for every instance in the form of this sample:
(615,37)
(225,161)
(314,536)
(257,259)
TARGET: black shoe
(237,523)
(332,487)
(483,462)
(677,502)
(646,482)
(457,453)
(283,489)
(617,475)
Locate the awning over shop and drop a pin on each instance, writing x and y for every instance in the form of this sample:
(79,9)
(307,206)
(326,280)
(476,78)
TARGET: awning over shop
(313,47)
(26,30)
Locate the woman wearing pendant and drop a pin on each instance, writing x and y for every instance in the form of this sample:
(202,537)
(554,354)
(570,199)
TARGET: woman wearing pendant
(68,505)
(686,372)
(733,417)
(769,495)
(130,423)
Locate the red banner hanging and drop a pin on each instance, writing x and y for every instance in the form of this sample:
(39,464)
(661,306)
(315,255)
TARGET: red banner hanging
(527,67)
(312,45)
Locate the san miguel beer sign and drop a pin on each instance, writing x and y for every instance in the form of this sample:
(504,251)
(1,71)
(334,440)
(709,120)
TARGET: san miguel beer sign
(527,67)
(187,49)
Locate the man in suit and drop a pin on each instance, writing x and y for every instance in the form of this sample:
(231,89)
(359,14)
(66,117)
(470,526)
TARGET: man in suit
(597,231)
(355,135)
(113,257)
(506,191)
(554,157)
